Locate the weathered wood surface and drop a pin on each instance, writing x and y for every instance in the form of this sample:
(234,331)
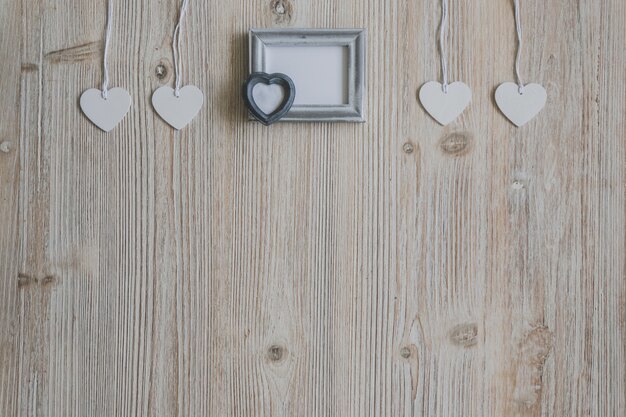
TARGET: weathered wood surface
(394,268)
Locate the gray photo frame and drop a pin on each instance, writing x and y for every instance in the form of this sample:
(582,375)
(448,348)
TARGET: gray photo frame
(354,39)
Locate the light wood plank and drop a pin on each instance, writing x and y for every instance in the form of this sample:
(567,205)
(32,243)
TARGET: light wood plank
(393,268)
(10,276)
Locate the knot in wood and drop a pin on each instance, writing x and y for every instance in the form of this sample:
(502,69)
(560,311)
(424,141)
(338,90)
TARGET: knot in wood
(518,185)
(405,352)
(24,280)
(279,7)
(160,71)
(48,280)
(456,144)
(282,10)
(6,146)
(275,353)
(534,349)
(536,346)
(465,335)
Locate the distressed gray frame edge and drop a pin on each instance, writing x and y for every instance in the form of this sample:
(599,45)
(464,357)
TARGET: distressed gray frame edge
(354,39)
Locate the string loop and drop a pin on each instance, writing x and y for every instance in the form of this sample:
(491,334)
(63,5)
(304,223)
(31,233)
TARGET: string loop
(107,39)
(176,46)
(518,29)
(442,46)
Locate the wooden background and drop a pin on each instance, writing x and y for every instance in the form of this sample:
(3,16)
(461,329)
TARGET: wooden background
(393,268)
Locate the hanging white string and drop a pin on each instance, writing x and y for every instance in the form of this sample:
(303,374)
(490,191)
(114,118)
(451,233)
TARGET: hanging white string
(107,38)
(518,28)
(442,45)
(176,45)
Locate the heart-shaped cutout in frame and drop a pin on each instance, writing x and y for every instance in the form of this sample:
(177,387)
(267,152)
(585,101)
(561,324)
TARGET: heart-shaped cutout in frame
(289,96)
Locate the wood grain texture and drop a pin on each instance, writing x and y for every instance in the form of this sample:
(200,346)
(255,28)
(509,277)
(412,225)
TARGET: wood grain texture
(393,268)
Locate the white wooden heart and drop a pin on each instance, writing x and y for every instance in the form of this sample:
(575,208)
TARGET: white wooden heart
(520,108)
(178,111)
(268,96)
(105,113)
(445,107)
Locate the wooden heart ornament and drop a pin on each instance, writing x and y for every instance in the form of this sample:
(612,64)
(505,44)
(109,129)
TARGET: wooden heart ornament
(268,96)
